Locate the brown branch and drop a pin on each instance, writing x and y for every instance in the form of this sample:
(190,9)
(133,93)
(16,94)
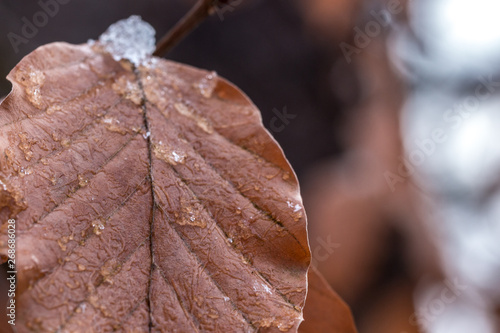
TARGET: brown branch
(201,10)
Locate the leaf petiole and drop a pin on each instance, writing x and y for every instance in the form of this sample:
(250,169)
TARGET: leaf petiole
(201,10)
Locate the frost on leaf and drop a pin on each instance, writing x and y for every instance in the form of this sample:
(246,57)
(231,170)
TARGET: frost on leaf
(131,39)
(145,197)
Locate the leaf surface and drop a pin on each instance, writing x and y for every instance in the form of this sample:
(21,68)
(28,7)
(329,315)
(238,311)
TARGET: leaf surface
(325,311)
(146,198)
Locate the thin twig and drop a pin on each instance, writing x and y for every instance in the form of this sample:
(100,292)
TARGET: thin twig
(201,10)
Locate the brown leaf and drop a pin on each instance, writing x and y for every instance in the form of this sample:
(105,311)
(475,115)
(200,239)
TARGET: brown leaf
(148,196)
(325,311)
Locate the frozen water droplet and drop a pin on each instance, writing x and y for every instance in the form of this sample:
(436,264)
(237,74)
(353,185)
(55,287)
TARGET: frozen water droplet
(32,80)
(37,78)
(131,39)
(178,158)
(65,143)
(129,90)
(167,154)
(82,181)
(113,125)
(23,172)
(262,287)
(53,108)
(34,96)
(98,227)
(266,288)
(25,145)
(190,112)
(295,207)
(207,85)
(4,187)
(191,215)
(147,135)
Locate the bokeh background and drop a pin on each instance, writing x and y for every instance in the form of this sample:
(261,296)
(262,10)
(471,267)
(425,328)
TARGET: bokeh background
(392,129)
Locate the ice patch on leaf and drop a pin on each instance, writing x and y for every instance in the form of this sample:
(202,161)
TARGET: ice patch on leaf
(295,207)
(131,39)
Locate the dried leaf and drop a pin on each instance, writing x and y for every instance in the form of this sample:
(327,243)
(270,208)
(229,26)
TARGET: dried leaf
(325,311)
(147,196)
